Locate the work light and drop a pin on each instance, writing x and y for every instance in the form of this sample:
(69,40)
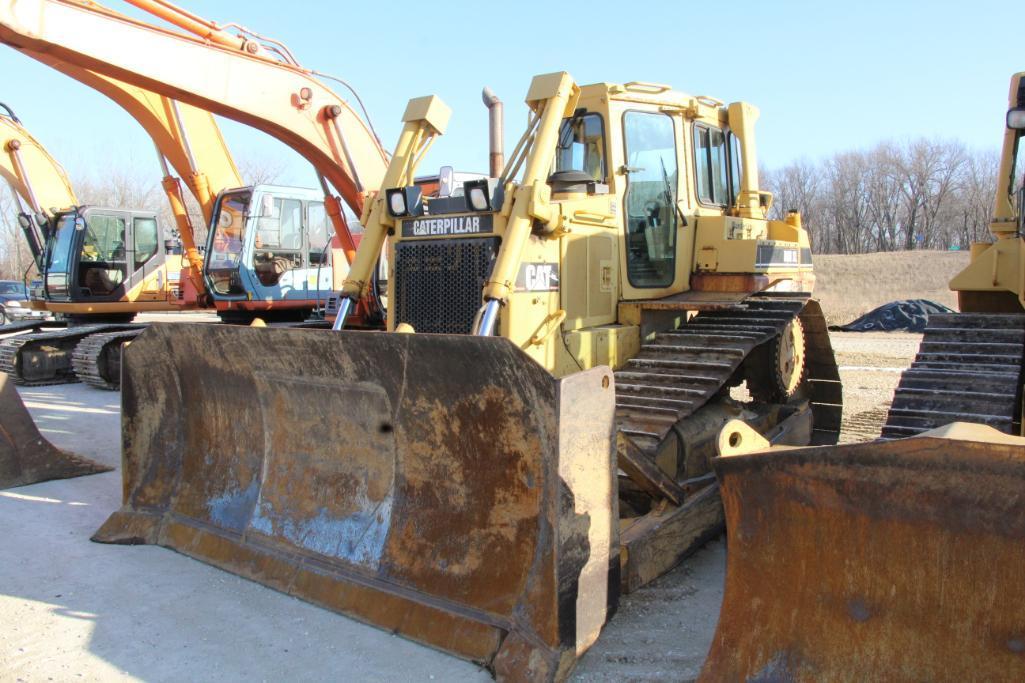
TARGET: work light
(404,201)
(478,195)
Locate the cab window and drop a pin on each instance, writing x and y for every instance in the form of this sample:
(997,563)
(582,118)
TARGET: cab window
(734,168)
(104,239)
(320,234)
(582,146)
(651,209)
(710,162)
(280,225)
(145,232)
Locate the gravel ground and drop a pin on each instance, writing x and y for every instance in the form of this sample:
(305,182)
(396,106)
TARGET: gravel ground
(870,366)
(74,610)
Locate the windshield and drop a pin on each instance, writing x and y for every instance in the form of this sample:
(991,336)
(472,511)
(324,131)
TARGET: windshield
(59,259)
(582,146)
(224,253)
(229,230)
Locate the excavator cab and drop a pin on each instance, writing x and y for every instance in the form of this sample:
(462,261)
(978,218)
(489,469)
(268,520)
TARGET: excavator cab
(98,254)
(269,243)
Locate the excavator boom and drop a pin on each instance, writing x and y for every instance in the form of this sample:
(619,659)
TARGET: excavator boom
(275,96)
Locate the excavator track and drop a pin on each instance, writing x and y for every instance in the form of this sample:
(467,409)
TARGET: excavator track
(969,367)
(683,369)
(34,325)
(45,358)
(97,358)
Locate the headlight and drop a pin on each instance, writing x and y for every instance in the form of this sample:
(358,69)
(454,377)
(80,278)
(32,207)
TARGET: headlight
(404,201)
(1016,119)
(14,304)
(480,195)
(396,203)
(478,199)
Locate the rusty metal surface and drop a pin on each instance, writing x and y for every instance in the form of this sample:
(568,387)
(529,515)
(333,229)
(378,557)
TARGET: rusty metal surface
(892,560)
(26,457)
(446,488)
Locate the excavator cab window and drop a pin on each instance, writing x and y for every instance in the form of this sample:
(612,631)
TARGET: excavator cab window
(651,210)
(225,242)
(582,146)
(319,231)
(279,240)
(145,234)
(103,265)
(59,261)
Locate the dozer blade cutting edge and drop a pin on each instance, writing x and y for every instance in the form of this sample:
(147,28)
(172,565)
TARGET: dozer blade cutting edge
(26,457)
(446,488)
(896,560)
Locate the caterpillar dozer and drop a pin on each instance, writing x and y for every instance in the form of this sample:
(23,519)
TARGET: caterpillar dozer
(532,433)
(971,364)
(896,558)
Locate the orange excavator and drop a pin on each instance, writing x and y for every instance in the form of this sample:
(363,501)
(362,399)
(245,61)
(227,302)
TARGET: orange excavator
(269,250)
(102,266)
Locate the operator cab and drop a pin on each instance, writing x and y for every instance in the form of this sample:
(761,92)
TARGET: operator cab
(99,254)
(269,243)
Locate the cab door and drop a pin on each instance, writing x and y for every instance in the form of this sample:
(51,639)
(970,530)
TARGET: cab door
(651,215)
(103,273)
(280,256)
(146,260)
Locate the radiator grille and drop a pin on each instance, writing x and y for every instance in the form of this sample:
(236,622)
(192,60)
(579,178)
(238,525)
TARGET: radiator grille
(438,283)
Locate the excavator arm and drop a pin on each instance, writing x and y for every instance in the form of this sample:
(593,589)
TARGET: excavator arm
(38,181)
(235,78)
(186,137)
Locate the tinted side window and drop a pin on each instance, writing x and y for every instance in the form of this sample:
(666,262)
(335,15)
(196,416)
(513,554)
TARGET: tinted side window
(734,168)
(710,160)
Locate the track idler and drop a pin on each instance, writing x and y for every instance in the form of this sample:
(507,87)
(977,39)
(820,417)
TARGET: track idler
(26,457)
(896,560)
(446,488)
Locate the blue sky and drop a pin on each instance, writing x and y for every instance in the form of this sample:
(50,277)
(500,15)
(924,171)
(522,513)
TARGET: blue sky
(827,76)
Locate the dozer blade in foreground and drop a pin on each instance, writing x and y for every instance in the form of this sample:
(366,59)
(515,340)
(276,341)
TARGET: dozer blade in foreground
(26,457)
(443,487)
(897,560)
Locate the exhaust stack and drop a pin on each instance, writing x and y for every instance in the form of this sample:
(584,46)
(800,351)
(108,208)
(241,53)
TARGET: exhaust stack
(496,132)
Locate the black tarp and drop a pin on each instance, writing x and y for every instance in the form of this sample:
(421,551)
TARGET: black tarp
(910,314)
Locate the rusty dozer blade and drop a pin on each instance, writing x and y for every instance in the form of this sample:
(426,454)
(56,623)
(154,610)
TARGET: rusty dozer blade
(26,457)
(445,488)
(896,560)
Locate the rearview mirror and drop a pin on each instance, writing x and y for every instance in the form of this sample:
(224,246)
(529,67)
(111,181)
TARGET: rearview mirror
(446,181)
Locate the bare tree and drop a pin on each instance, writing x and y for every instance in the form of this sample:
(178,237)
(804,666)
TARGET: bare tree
(922,193)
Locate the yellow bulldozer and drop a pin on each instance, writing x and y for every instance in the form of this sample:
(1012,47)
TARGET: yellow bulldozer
(898,558)
(532,433)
